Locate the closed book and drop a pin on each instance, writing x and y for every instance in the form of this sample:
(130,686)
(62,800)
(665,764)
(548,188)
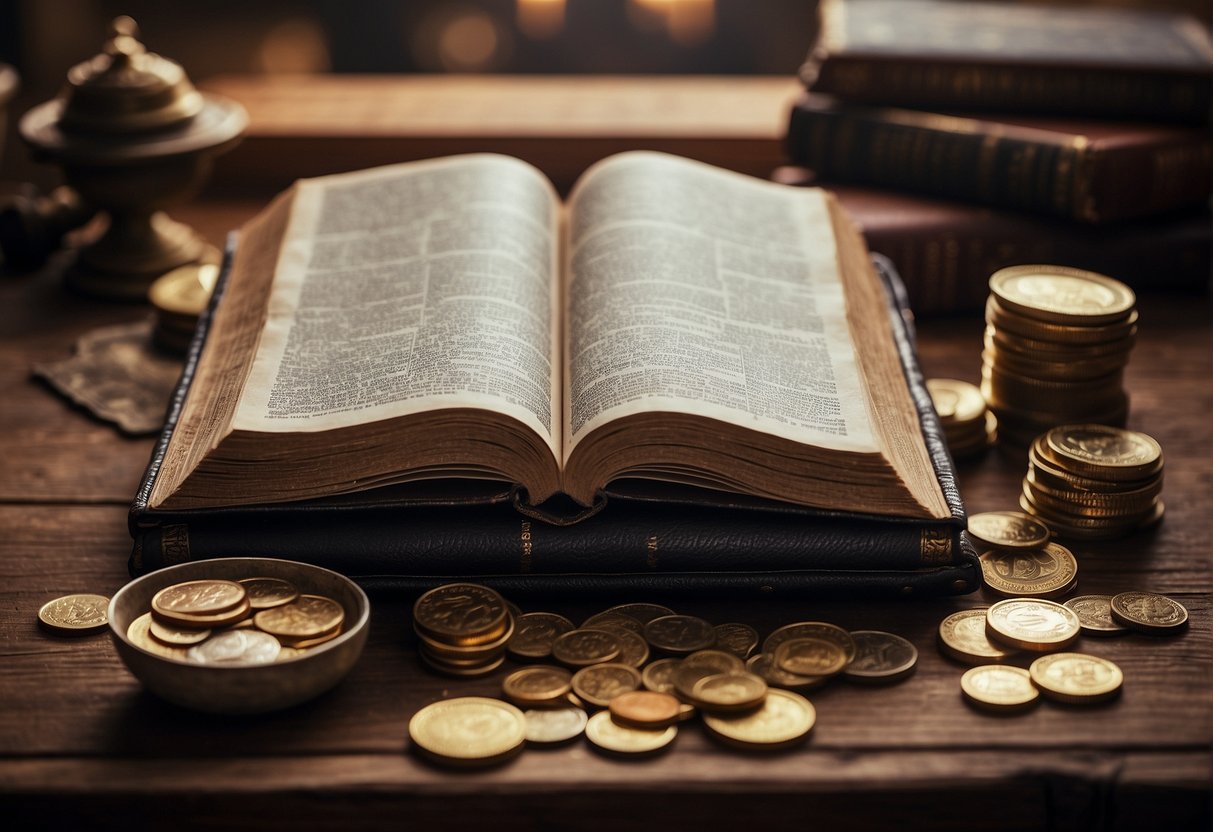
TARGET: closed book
(1008,57)
(1090,171)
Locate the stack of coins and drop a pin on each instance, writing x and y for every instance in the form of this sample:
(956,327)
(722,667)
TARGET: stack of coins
(1056,344)
(179,298)
(463,629)
(1021,561)
(1094,482)
(968,425)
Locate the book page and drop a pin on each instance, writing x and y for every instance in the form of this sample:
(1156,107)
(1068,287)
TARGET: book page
(699,291)
(412,288)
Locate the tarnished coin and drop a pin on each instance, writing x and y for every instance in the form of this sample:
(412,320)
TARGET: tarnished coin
(1048,572)
(962,636)
(549,726)
(701,664)
(75,615)
(534,633)
(881,657)
(1032,624)
(264,593)
(811,629)
(609,735)
(236,648)
(726,693)
(1076,678)
(1147,612)
(582,648)
(956,401)
(614,621)
(600,683)
(739,639)
(468,730)
(810,656)
(537,685)
(784,719)
(659,675)
(679,635)
(138,634)
(763,664)
(461,613)
(644,613)
(1095,615)
(999,688)
(1060,294)
(1104,452)
(646,709)
(1008,530)
(177,636)
(307,617)
(206,597)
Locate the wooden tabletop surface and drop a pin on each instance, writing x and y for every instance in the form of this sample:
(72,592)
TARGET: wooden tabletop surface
(82,743)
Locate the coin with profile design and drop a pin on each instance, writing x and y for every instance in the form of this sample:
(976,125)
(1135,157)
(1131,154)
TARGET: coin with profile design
(679,635)
(1095,615)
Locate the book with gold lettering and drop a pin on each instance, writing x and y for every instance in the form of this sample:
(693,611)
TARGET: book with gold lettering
(681,378)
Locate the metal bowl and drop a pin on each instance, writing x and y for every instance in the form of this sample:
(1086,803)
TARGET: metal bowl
(243,689)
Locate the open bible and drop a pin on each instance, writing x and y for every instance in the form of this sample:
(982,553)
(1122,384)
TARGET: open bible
(448,335)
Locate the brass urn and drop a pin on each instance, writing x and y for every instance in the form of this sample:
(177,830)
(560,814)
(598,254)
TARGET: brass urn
(133,136)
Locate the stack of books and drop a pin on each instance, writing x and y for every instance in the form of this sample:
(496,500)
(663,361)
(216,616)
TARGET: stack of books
(966,137)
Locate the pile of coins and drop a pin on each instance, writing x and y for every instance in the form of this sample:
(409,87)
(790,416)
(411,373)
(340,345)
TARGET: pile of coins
(235,623)
(629,676)
(462,629)
(179,298)
(1021,561)
(968,425)
(1094,482)
(1056,344)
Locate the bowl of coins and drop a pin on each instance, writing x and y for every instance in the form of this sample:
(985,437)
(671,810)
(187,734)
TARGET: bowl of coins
(239,635)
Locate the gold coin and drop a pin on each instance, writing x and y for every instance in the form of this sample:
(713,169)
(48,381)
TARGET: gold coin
(537,685)
(1032,624)
(644,613)
(763,664)
(659,675)
(315,641)
(613,621)
(236,648)
(308,616)
(811,629)
(1148,612)
(1103,452)
(75,615)
(453,651)
(468,730)
(582,648)
(466,671)
(810,656)
(724,693)
(739,639)
(962,636)
(881,657)
(1095,615)
(700,664)
(1008,530)
(264,593)
(679,635)
(534,633)
(461,614)
(206,597)
(784,719)
(178,637)
(137,633)
(1006,321)
(184,291)
(633,649)
(1059,294)
(999,688)
(645,709)
(1076,678)
(609,735)
(549,726)
(1033,573)
(600,683)
(956,401)
(206,620)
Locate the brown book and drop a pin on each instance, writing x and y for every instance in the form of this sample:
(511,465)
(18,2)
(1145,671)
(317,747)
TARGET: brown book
(1007,57)
(1092,171)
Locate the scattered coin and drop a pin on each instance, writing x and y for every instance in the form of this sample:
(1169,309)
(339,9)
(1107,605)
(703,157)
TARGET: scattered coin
(600,683)
(810,656)
(645,709)
(881,657)
(679,635)
(739,639)
(534,633)
(236,648)
(659,675)
(608,735)
(1047,572)
(726,693)
(962,636)
(264,593)
(1076,678)
(644,613)
(537,685)
(75,615)
(783,720)
(763,664)
(811,629)
(1095,615)
(633,649)
(700,665)
(1008,530)
(582,648)
(549,726)
(613,621)
(468,730)
(1032,624)
(461,614)
(999,688)
(1147,612)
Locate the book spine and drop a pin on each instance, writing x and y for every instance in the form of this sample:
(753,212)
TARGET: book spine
(1138,180)
(1075,91)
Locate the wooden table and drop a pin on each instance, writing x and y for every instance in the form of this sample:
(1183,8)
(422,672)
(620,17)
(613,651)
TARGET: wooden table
(81,742)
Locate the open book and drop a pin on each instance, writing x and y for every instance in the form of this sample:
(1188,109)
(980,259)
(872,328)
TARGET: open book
(451,319)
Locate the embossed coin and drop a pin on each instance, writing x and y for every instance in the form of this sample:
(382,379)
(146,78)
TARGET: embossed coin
(236,648)
(962,636)
(264,593)
(1095,615)
(206,597)
(75,615)
(205,620)
(811,629)
(739,639)
(633,649)
(763,664)
(468,730)
(1104,452)
(1048,572)
(999,688)
(679,635)
(1059,294)
(307,617)
(1032,624)
(537,685)
(1076,678)
(609,735)
(1147,612)
(534,633)
(784,719)
(644,613)
(177,636)
(810,656)
(659,675)
(582,648)
(549,726)
(645,709)
(726,693)
(881,657)
(461,613)
(138,634)
(1008,530)
(600,683)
